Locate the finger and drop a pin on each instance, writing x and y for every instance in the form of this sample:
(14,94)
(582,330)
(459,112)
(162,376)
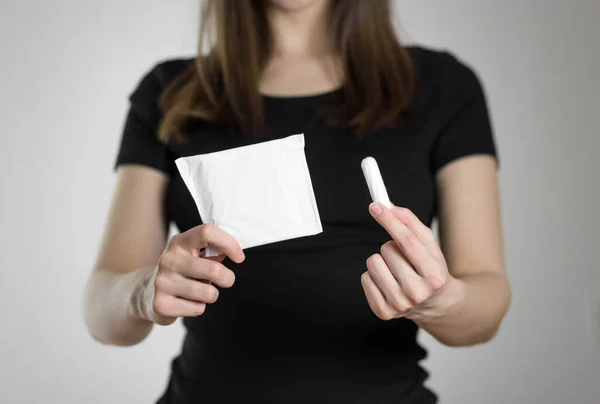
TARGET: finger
(423,232)
(415,288)
(218,258)
(171,306)
(211,235)
(375,298)
(412,247)
(387,283)
(203,269)
(188,308)
(179,286)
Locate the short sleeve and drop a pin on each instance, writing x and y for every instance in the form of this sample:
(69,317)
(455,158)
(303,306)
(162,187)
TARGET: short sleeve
(140,144)
(465,127)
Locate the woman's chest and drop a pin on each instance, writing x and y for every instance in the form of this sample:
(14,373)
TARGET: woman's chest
(334,160)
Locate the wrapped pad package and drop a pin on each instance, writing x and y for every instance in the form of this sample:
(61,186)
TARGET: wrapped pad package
(260,193)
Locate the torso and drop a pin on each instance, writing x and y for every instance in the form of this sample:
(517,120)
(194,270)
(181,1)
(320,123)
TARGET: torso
(296,325)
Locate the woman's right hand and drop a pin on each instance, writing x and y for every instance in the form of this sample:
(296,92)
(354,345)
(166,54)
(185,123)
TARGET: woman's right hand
(182,283)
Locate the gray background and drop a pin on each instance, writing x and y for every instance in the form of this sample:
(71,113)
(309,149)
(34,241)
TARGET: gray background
(67,68)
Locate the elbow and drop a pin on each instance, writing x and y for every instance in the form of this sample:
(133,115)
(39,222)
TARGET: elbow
(487,336)
(482,334)
(94,329)
(103,335)
(483,331)
(92,323)
(478,338)
(99,336)
(101,329)
(114,341)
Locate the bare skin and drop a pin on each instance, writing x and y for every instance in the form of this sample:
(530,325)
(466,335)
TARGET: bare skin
(457,291)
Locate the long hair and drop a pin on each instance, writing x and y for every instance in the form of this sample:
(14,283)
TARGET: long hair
(222,86)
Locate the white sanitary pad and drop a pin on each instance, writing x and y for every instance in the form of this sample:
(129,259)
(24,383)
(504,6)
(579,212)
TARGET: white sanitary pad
(260,194)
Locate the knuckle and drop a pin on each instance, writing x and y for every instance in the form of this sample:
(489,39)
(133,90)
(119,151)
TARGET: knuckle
(394,302)
(168,261)
(388,248)
(430,235)
(364,278)
(206,231)
(384,315)
(174,241)
(408,212)
(215,293)
(229,278)
(194,290)
(212,294)
(438,283)
(400,305)
(212,270)
(164,261)
(204,293)
(404,214)
(372,261)
(408,241)
(200,309)
(159,305)
(437,253)
(160,282)
(418,295)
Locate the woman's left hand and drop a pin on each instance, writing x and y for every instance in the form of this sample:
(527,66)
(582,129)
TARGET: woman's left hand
(410,277)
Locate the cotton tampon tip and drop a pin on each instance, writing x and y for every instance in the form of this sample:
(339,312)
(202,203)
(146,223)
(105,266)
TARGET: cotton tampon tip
(375,182)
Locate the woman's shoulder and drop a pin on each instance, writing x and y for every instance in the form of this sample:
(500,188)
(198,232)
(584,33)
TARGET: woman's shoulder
(167,69)
(160,74)
(442,76)
(439,63)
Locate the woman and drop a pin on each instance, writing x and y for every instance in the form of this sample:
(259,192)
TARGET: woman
(327,318)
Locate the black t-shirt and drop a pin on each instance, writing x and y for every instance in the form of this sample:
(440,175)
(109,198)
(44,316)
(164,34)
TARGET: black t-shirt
(296,326)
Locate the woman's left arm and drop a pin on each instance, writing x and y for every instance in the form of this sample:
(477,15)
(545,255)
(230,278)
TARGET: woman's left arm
(470,229)
(458,290)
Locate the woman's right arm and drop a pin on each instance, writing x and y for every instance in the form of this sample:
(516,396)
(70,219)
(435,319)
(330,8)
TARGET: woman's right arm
(136,282)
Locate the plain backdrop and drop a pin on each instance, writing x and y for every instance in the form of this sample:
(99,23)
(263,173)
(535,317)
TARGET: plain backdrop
(66,70)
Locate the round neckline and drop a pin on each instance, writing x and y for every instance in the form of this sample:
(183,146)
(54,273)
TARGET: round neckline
(313,96)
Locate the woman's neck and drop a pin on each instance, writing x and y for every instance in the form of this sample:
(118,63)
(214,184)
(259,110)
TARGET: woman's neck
(300,33)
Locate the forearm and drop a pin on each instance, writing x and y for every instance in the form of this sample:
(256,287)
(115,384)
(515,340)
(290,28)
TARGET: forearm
(478,303)
(114,306)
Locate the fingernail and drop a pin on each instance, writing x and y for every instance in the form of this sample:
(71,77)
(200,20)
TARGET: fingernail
(376,209)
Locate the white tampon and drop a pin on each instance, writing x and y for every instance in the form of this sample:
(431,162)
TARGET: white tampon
(375,182)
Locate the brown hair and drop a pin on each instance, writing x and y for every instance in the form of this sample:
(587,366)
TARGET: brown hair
(223,85)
